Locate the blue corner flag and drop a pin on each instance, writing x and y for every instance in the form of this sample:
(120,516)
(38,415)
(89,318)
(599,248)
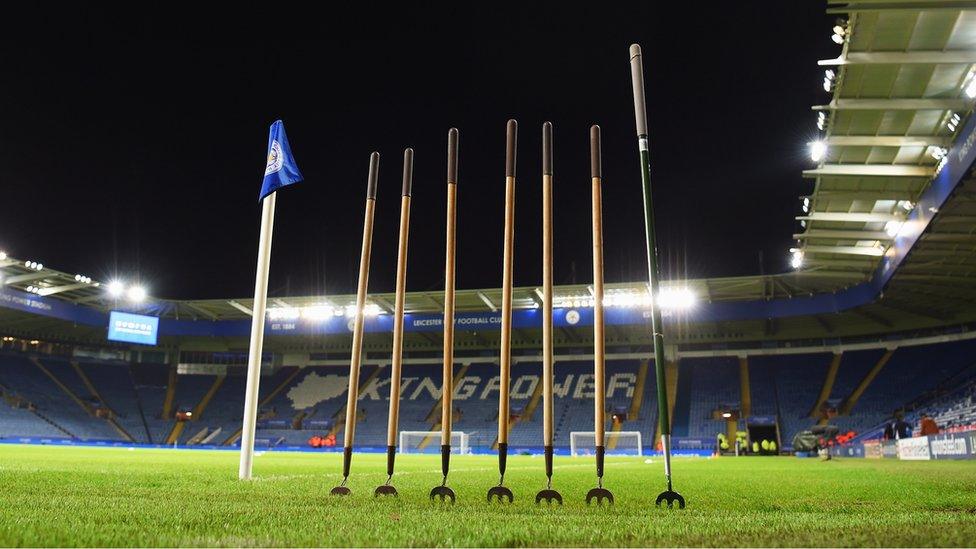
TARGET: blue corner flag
(281,169)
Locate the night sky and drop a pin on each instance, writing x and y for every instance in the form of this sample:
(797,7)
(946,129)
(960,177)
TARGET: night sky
(132,144)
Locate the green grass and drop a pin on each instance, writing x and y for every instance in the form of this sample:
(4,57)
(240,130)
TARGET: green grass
(112,497)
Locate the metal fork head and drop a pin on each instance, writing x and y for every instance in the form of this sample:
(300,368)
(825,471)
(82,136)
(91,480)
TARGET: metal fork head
(442,492)
(600,495)
(670,496)
(549,495)
(385,490)
(500,494)
(340,491)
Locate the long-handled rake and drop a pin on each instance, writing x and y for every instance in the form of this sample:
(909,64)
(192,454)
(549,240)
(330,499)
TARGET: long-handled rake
(548,494)
(397,358)
(447,390)
(500,492)
(640,113)
(357,332)
(599,345)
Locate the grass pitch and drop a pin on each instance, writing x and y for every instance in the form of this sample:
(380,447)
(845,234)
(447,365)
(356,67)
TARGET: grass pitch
(112,497)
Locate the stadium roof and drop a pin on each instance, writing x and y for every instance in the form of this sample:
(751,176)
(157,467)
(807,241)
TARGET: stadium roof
(900,90)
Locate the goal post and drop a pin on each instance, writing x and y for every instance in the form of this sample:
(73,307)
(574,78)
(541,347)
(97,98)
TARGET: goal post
(429,442)
(617,443)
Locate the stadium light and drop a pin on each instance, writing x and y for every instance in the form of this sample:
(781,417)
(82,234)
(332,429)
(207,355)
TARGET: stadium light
(806,204)
(136,294)
(317,312)
(284,313)
(821,120)
(953,122)
(726,415)
(115,289)
(971,88)
(678,299)
(818,150)
(892,228)
(3,255)
(796,259)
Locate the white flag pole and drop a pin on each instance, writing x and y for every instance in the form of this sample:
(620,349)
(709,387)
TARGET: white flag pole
(257,337)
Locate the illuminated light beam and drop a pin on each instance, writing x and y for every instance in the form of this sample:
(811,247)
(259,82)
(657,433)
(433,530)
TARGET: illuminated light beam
(894,105)
(853,217)
(58,289)
(879,170)
(842,235)
(887,141)
(929,57)
(873,251)
(487,301)
(240,307)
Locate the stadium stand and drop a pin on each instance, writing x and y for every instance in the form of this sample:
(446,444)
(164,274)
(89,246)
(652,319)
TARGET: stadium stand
(60,399)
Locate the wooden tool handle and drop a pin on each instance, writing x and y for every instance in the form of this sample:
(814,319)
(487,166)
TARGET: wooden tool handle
(449,265)
(357,332)
(547,359)
(599,345)
(505,353)
(401,288)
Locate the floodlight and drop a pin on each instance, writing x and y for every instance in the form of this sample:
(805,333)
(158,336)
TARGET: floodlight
(676,299)
(837,38)
(971,88)
(839,29)
(893,228)
(796,261)
(136,294)
(726,415)
(818,149)
(3,255)
(115,288)
(317,312)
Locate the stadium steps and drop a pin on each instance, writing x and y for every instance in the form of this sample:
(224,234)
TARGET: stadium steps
(170,393)
(745,393)
(671,384)
(828,385)
(681,416)
(81,404)
(848,404)
(434,416)
(94,392)
(53,423)
(339,418)
(635,404)
(205,401)
(236,435)
(140,405)
(174,434)
(525,416)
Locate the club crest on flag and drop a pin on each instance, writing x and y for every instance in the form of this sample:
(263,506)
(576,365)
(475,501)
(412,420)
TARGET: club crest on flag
(281,169)
(274,158)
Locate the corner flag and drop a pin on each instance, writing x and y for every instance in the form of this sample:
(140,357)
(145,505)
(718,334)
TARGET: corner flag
(281,169)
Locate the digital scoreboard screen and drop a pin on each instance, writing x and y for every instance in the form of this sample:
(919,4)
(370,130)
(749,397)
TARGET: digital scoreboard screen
(130,328)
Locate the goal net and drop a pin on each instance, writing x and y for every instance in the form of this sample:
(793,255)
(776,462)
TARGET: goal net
(617,443)
(429,442)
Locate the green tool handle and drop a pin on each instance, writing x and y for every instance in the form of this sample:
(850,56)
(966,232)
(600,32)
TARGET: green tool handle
(640,116)
(652,275)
